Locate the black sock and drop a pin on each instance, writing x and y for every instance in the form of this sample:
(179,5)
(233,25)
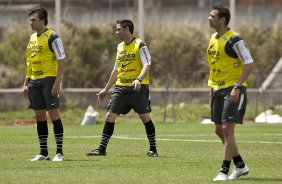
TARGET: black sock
(107,133)
(59,133)
(42,132)
(238,162)
(225,166)
(151,135)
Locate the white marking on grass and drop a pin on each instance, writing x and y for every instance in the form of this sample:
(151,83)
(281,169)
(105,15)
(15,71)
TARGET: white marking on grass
(179,140)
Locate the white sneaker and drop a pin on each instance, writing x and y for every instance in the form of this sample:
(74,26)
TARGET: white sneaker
(39,158)
(238,172)
(221,177)
(58,158)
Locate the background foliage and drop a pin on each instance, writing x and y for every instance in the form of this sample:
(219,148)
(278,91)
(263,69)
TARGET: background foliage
(176,49)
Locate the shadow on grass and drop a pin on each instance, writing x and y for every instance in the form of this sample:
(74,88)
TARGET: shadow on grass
(88,159)
(145,156)
(262,180)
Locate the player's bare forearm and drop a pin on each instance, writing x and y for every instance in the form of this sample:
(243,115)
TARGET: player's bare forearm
(111,81)
(57,83)
(248,68)
(61,66)
(144,71)
(25,88)
(137,83)
(101,95)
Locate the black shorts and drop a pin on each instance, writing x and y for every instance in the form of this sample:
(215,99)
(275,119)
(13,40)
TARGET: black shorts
(40,96)
(222,110)
(123,99)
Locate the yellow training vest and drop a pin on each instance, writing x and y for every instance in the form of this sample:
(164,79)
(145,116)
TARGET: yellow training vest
(41,61)
(129,63)
(224,70)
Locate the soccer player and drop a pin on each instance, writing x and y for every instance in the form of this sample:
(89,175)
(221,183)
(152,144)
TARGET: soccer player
(131,78)
(230,65)
(45,62)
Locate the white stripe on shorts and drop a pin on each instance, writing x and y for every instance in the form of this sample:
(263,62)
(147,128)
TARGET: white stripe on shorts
(241,101)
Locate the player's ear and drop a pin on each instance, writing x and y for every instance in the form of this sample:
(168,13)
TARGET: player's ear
(222,19)
(127,28)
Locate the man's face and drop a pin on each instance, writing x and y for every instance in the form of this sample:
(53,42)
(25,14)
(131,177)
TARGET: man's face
(214,19)
(121,32)
(35,22)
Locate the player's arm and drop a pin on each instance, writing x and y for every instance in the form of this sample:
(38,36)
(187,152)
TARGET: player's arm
(25,88)
(58,49)
(27,75)
(244,54)
(57,84)
(146,62)
(112,80)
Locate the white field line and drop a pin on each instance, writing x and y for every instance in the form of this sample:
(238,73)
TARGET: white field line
(179,140)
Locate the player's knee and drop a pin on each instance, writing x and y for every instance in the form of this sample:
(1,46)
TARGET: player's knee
(111,117)
(54,114)
(40,115)
(145,117)
(40,118)
(218,132)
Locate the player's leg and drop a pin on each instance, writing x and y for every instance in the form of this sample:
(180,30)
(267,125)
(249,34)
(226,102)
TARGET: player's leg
(52,103)
(229,146)
(42,132)
(151,134)
(216,116)
(141,104)
(37,103)
(240,168)
(106,135)
(231,152)
(219,132)
(232,113)
(58,130)
(117,105)
(217,105)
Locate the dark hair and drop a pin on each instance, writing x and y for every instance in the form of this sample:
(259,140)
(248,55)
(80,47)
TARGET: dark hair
(126,23)
(223,12)
(41,13)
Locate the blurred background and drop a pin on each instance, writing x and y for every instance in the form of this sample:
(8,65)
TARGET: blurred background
(177,33)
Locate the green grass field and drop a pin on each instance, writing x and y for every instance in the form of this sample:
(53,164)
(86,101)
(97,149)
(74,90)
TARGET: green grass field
(188,153)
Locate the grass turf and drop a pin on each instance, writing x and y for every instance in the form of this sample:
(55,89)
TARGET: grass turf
(188,153)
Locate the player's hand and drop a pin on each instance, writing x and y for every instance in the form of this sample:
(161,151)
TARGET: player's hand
(136,85)
(234,95)
(101,95)
(25,91)
(56,89)
(210,97)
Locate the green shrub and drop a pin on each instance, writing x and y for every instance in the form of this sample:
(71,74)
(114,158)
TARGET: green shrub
(90,56)
(176,49)
(181,52)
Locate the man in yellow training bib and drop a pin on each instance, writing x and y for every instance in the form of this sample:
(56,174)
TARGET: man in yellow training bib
(131,78)
(230,65)
(45,60)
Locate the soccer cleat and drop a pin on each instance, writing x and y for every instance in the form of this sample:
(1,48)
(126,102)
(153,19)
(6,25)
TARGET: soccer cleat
(152,154)
(221,177)
(58,158)
(96,152)
(39,158)
(238,172)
